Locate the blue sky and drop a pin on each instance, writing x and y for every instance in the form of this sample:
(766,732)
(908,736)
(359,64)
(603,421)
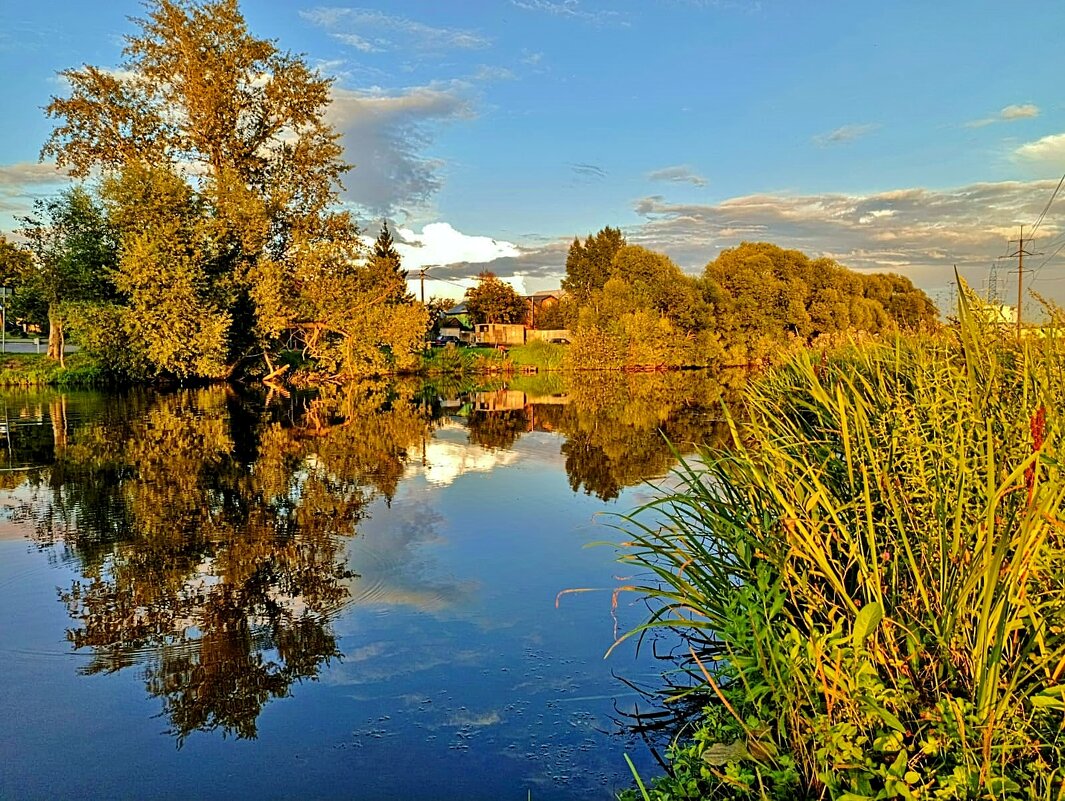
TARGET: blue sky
(903,136)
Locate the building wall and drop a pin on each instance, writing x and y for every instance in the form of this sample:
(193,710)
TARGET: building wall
(547,334)
(500,334)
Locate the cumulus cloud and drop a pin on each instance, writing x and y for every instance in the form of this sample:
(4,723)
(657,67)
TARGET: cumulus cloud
(440,244)
(526,268)
(1049,150)
(845,133)
(385,136)
(680,174)
(455,258)
(921,233)
(372,31)
(1022,111)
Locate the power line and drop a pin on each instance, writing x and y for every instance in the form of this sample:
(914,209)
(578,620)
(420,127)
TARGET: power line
(1046,208)
(1048,258)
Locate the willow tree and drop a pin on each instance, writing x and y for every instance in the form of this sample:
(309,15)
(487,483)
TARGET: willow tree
(241,122)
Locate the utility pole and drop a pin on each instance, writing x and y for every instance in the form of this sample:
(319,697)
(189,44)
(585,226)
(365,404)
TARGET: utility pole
(1020,253)
(421,274)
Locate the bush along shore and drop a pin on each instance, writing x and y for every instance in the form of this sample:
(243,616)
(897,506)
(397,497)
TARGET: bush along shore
(872,579)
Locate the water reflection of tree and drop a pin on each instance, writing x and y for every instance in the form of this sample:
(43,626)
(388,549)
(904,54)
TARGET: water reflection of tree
(617,425)
(497,430)
(210,537)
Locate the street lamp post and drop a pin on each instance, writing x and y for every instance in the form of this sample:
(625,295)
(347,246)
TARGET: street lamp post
(5,293)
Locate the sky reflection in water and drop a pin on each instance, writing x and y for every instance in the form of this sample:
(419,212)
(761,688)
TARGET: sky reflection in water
(345,596)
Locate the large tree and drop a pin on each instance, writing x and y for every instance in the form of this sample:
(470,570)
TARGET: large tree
(590,265)
(74,253)
(242,123)
(494,301)
(176,314)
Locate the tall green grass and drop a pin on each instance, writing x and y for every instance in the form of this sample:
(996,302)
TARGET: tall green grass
(873,577)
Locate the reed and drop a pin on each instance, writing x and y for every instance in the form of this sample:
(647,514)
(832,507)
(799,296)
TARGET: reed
(872,576)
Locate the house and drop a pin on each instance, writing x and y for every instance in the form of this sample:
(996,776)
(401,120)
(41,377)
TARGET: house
(496,334)
(541,301)
(454,327)
(459,313)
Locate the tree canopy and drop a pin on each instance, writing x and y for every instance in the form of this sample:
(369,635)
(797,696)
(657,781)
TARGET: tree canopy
(222,181)
(494,301)
(630,306)
(74,248)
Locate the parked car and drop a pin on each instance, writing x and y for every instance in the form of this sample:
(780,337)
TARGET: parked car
(450,339)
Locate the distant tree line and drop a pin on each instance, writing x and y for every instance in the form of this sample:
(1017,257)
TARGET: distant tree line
(630,306)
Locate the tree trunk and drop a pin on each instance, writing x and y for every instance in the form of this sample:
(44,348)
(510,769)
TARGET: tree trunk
(58,413)
(55,334)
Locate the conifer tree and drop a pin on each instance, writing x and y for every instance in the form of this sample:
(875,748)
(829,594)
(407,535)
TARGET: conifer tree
(386,263)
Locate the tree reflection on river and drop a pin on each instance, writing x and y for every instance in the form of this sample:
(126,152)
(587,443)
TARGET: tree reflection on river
(208,529)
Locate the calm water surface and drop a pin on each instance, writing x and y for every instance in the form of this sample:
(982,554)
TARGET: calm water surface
(211,595)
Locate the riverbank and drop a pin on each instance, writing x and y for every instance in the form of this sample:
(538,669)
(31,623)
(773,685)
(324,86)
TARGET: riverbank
(31,369)
(870,578)
(84,370)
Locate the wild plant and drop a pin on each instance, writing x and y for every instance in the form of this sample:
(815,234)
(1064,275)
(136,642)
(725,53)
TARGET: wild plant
(873,576)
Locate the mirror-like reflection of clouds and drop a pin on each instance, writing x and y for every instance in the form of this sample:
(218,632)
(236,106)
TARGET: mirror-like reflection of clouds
(398,545)
(394,565)
(448,455)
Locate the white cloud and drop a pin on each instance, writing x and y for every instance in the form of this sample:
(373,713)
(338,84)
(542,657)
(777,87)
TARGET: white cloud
(845,133)
(30,173)
(487,72)
(532,268)
(448,455)
(440,244)
(1021,111)
(372,31)
(679,174)
(569,9)
(1048,150)
(385,136)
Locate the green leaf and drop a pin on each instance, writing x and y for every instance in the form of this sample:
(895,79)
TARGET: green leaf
(1050,698)
(869,617)
(1002,784)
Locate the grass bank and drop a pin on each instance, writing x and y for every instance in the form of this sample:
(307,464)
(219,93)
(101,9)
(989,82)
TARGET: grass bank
(30,369)
(534,356)
(873,578)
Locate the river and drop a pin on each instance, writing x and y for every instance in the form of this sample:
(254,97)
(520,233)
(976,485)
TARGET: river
(361,594)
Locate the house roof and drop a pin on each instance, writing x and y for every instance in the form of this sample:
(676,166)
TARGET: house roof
(459,308)
(451,322)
